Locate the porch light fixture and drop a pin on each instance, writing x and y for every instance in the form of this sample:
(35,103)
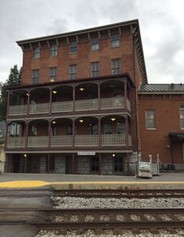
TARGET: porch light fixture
(81,88)
(113,119)
(54,122)
(27,94)
(54,92)
(113,155)
(81,120)
(25,155)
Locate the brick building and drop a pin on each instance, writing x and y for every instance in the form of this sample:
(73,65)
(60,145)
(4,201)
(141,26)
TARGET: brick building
(161,116)
(76,111)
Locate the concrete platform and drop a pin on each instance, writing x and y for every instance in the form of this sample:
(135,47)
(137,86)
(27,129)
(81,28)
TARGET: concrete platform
(62,181)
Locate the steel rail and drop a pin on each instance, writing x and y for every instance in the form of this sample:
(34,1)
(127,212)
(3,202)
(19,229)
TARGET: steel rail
(105,193)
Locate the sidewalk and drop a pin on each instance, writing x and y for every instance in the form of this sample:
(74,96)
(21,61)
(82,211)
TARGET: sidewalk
(19,180)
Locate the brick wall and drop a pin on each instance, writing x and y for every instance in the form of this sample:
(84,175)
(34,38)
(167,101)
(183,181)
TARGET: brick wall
(155,141)
(82,58)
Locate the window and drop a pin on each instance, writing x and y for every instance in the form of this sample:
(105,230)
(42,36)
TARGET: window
(115,66)
(52,74)
(150,119)
(53,50)
(36,52)
(35,76)
(94,69)
(73,72)
(73,47)
(95,44)
(115,41)
(182,116)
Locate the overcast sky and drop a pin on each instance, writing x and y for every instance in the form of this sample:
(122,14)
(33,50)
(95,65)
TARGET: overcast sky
(161,24)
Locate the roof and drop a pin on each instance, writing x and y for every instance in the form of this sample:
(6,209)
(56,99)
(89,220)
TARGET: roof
(79,32)
(161,88)
(135,31)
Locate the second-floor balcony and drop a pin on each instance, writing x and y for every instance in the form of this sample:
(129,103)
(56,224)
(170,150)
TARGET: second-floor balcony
(98,95)
(69,106)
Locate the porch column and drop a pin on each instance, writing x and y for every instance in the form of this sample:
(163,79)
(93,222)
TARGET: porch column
(50,101)
(25,163)
(8,103)
(100,161)
(27,133)
(6,135)
(49,133)
(125,93)
(99,132)
(73,98)
(48,163)
(28,101)
(127,131)
(99,105)
(73,133)
(73,164)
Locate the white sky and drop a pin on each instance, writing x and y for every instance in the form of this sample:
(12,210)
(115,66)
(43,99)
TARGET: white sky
(161,23)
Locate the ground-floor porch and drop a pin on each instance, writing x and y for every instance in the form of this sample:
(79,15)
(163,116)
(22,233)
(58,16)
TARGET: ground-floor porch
(72,163)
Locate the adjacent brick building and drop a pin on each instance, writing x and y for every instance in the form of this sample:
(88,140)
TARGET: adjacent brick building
(161,116)
(80,106)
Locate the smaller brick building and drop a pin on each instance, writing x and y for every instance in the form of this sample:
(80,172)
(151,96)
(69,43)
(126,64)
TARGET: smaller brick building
(161,117)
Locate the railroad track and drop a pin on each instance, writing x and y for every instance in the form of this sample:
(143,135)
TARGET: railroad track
(98,220)
(105,193)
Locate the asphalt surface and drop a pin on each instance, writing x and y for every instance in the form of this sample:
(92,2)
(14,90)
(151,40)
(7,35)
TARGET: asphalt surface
(164,177)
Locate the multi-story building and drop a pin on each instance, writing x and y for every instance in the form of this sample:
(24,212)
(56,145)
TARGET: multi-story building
(76,109)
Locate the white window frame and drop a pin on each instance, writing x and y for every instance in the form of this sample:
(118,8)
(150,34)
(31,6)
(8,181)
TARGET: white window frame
(36,52)
(150,120)
(181,117)
(116,66)
(53,50)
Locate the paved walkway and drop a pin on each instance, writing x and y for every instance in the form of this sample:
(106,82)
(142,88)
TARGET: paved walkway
(9,180)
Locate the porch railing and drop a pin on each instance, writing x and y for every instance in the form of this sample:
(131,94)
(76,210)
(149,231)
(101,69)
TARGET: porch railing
(16,142)
(67,106)
(81,105)
(86,140)
(61,141)
(66,141)
(39,108)
(17,109)
(40,141)
(109,103)
(113,140)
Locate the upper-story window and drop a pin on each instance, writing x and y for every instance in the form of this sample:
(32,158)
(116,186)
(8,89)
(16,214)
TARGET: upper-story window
(94,44)
(115,66)
(115,41)
(94,69)
(52,74)
(35,76)
(36,52)
(53,50)
(73,47)
(73,71)
(182,116)
(150,119)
